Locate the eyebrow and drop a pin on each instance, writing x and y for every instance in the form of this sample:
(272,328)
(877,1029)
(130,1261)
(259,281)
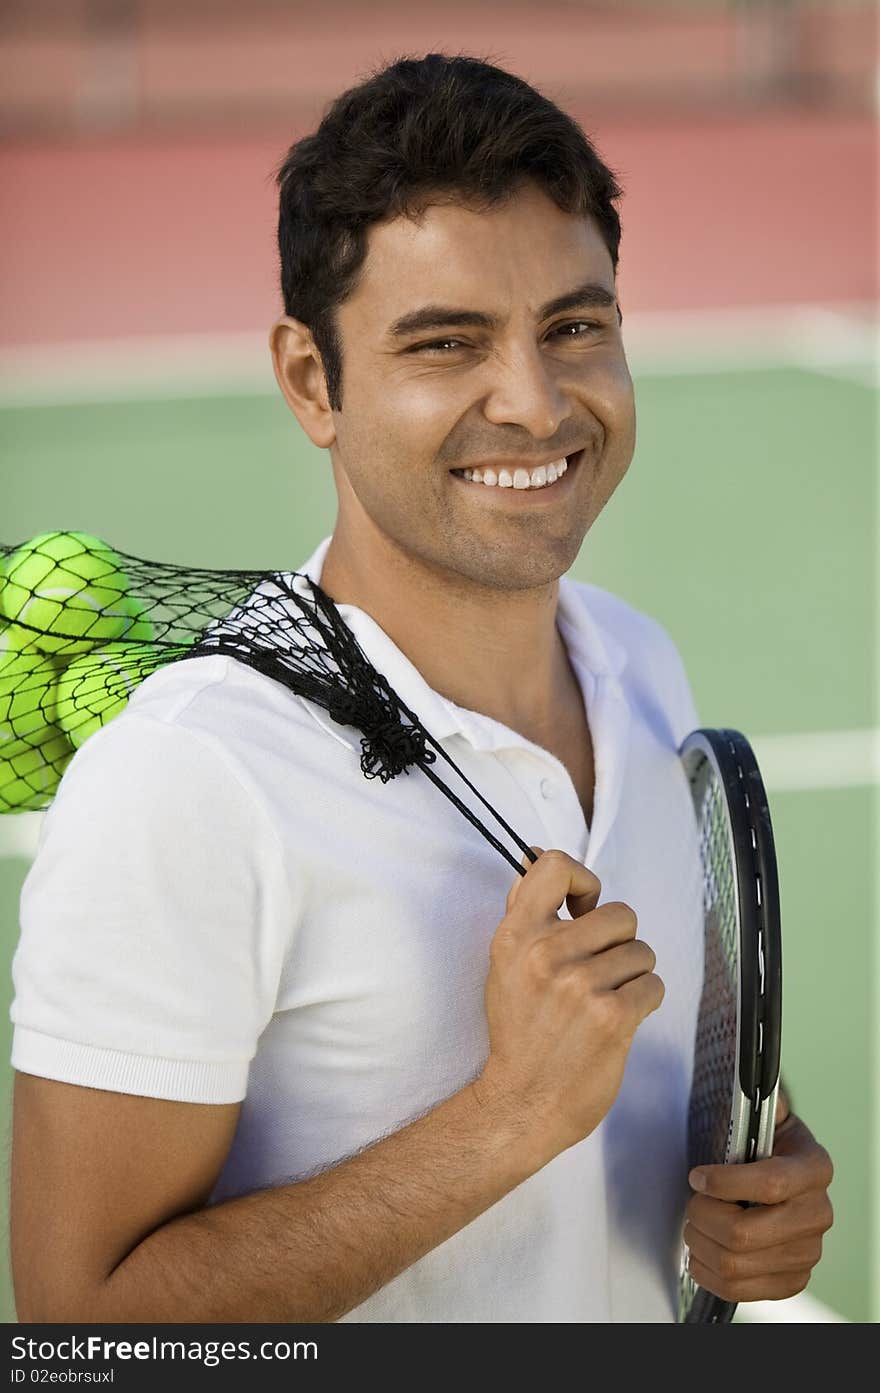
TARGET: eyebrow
(445,316)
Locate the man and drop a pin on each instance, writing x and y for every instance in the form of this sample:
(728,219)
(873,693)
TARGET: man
(285,1052)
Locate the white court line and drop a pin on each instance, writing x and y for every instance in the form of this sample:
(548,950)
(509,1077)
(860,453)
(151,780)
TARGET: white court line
(838,340)
(832,340)
(823,759)
(19,834)
(802,1309)
(819,759)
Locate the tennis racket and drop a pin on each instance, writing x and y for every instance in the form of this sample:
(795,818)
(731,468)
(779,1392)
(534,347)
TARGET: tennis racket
(736,1059)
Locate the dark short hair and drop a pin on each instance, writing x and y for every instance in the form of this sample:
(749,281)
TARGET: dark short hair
(449,125)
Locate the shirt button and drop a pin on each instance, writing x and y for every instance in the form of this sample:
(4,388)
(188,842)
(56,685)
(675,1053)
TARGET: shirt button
(546,788)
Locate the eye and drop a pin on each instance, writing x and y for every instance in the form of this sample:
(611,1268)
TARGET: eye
(437,345)
(577,324)
(432,346)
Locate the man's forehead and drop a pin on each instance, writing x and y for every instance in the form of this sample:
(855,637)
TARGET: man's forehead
(455,255)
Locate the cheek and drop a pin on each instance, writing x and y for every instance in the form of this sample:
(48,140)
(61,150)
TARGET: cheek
(413,417)
(421,415)
(616,409)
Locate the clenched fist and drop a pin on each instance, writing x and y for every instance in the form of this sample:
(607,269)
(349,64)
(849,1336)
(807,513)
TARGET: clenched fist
(563,1002)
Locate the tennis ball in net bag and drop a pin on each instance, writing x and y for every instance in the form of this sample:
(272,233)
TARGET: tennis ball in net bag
(95,687)
(27,699)
(28,780)
(67,589)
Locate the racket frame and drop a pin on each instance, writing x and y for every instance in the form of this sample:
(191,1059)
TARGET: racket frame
(731,761)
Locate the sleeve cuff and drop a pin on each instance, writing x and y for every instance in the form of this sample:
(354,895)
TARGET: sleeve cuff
(91,1066)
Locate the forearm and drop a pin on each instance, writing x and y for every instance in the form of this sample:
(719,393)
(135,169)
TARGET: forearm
(313,1250)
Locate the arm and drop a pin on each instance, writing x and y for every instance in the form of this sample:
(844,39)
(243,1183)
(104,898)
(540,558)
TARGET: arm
(106,1187)
(108,1222)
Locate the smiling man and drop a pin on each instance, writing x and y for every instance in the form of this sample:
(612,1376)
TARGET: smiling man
(483,432)
(289,1045)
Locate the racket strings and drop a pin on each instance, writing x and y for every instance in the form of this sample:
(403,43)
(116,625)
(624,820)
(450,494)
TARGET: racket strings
(717,1029)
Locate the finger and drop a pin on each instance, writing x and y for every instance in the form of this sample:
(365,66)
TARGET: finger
(763,1226)
(774,1286)
(611,925)
(554,877)
(611,968)
(643,995)
(796,1256)
(771,1181)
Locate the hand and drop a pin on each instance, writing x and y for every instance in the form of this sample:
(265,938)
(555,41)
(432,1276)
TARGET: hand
(769,1252)
(563,1002)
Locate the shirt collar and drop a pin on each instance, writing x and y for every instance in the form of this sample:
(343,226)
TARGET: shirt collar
(591,649)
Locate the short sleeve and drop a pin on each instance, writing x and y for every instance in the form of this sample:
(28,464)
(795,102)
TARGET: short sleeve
(153,921)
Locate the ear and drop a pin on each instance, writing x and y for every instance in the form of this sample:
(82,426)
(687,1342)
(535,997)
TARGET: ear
(299,373)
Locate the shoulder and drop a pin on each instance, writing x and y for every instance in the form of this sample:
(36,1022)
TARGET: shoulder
(170,748)
(650,666)
(643,638)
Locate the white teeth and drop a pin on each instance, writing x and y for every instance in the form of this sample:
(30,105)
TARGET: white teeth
(521,478)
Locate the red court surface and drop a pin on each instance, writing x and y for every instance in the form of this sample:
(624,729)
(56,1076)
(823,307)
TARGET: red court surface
(106,238)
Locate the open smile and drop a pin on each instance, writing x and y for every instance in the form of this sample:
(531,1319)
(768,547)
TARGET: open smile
(521,487)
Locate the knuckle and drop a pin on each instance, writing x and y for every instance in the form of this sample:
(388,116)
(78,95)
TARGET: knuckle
(542,959)
(794,1282)
(814,1252)
(739,1237)
(500,944)
(647,953)
(625,915)
(555,859)
(607,1014)
(730,1265)
(826,1169)
(728,1289)
(775,1188)
(659,988)
(595,882)
(571,981)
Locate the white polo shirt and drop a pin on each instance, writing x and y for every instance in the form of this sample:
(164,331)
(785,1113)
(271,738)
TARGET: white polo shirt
(223,907)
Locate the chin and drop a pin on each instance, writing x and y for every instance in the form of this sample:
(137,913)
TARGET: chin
(525,571)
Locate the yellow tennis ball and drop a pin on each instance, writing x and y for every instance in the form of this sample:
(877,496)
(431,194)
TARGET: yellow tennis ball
(27,699)
(68,587)
(95,687)
(13,638)
(139,629)
(28,780)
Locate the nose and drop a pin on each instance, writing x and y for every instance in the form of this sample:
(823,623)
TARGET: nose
(525,391)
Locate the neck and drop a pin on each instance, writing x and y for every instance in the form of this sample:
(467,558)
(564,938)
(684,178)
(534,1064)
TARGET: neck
(496,652)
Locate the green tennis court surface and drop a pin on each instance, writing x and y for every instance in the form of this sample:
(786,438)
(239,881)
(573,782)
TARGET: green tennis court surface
(747,525)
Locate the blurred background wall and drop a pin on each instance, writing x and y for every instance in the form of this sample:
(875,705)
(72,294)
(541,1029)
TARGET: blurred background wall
(138,140)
